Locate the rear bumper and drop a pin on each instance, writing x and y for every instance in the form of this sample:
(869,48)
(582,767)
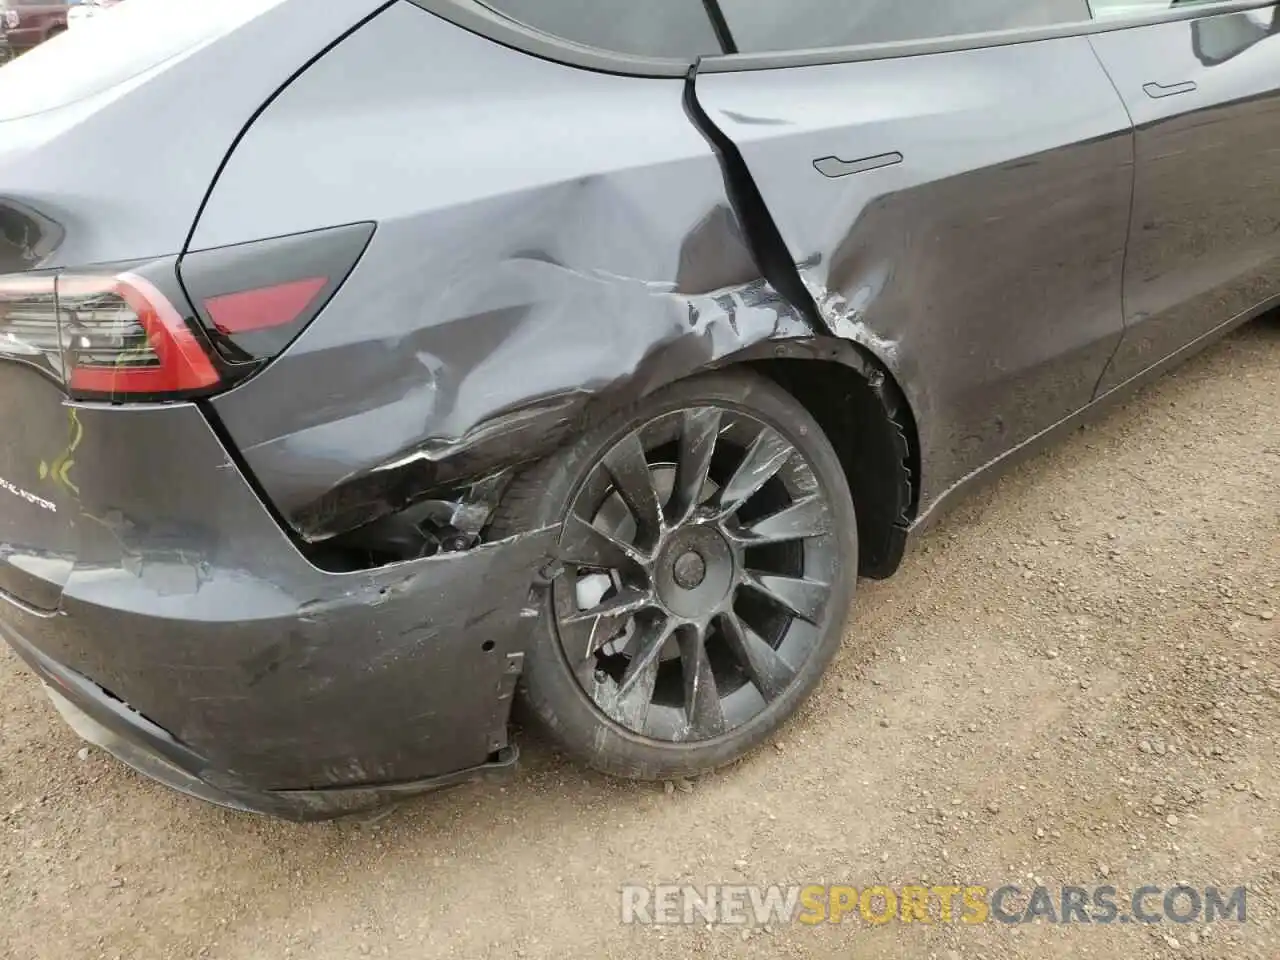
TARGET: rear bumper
(131,738)
(196,643)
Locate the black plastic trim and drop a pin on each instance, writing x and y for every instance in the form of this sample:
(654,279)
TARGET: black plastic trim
(721,26)
(735,63)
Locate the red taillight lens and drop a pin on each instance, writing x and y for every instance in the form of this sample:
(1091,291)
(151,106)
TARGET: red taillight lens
(122,336)
(253,299)
(263,308)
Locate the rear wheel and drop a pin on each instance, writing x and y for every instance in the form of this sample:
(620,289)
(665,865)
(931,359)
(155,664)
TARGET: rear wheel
(707,557)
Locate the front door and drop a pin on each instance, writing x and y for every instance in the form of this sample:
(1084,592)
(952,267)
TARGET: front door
(1204,95)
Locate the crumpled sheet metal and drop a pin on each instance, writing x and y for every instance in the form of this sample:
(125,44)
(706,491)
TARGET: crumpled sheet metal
(695,332)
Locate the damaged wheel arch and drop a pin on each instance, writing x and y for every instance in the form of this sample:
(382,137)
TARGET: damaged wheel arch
(868,420)
(846,388)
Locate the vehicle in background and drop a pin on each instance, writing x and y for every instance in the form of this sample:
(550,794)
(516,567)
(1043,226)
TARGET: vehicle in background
(30,23)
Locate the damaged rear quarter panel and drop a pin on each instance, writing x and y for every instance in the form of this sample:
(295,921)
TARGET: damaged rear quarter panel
(552,243)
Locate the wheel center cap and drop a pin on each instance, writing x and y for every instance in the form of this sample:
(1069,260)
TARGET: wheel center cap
(694,573)
(689,570)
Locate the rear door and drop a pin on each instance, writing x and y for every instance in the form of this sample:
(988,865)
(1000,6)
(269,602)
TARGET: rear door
(1204,94)
(956,202)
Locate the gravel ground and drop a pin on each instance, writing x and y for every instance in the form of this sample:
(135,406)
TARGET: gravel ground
(1075,677)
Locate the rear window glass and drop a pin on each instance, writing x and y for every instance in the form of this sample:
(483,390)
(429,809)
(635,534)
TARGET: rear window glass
(1107,9)
(678,29)
(760,25)
(119,44)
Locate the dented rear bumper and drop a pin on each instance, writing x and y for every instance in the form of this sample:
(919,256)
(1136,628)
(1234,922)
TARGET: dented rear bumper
(203,641)
(113,726)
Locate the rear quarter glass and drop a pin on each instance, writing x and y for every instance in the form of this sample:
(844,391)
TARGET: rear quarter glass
(109,51)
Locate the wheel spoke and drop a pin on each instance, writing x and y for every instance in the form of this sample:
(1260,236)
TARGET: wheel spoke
(584,632)
(803,520)
(701,697)
(768,453)
(625,603)
(698,434)
(629,704)
(767,670)
(633,479)
(802,598)
(583,544)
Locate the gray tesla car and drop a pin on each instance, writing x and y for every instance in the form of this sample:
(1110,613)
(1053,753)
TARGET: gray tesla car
(372,365)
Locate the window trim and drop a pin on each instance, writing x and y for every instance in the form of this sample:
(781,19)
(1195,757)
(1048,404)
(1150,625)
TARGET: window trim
(721,26)
(477,18)
(743,62)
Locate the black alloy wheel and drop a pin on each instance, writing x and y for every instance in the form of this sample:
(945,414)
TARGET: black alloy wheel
(707,556)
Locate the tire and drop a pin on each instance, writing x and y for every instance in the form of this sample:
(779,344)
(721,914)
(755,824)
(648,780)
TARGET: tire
(612,708)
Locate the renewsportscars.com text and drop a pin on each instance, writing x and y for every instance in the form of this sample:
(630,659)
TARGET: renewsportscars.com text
(876,905)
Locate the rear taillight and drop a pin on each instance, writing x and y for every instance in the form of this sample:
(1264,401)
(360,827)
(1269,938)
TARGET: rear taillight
(113,335)
(253,299)
(128,334)
(29,322)
(122,337)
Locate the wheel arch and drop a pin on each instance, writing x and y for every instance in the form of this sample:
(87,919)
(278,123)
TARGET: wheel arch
(869,421)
